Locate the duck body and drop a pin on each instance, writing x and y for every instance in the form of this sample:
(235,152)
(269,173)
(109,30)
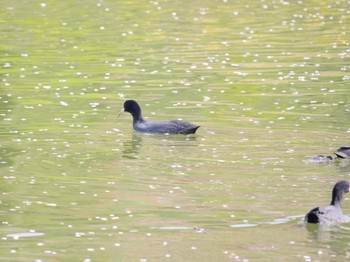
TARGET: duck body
(331,214)
(170,127)
(326,215)
(164,127)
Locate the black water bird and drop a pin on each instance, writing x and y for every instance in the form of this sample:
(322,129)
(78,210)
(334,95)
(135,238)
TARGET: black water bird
(330,214)
(169,127)
(343,152)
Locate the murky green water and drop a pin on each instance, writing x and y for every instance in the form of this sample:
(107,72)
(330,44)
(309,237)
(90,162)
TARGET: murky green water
(267,81)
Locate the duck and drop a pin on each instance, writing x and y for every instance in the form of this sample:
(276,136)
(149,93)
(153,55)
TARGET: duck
(164,127)
(331,214)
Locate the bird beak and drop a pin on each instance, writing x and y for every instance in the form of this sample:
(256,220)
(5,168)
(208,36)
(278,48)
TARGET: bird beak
(121,111)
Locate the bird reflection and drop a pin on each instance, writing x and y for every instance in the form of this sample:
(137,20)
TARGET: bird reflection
(319,232)
(132,146)
(344,166)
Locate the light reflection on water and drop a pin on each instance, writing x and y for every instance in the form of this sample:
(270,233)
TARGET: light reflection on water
(273,222)
(267,93)
(27,234)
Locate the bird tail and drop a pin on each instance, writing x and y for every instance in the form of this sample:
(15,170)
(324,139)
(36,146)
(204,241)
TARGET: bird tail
(312,217)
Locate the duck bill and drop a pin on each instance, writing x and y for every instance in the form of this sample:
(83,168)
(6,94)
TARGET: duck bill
(121,111)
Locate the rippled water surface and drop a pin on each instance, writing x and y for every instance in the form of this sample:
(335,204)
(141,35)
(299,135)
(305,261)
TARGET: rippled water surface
(267,81)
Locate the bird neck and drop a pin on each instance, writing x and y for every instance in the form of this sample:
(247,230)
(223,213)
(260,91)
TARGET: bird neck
(337,197)
(137,116)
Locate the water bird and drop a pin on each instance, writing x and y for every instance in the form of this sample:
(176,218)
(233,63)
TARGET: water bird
(330,214)
(342,153)
(165,127)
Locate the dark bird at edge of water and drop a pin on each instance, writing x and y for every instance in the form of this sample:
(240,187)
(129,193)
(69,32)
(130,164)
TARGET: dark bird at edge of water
(165,127)
(330,214)
(343,152)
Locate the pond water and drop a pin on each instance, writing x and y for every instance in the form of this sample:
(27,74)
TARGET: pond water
(267,81)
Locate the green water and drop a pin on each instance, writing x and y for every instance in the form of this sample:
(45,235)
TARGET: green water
(266,80)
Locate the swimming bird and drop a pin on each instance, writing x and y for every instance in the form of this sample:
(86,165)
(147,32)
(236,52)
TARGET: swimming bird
(330,214)
(343,152)
(169,127)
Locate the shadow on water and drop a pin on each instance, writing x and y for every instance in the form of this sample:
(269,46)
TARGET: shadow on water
(133,145)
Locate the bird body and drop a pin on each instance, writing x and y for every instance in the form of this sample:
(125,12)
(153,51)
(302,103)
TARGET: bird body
(171,127)
(330,214)
(325,215)
(164,127)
